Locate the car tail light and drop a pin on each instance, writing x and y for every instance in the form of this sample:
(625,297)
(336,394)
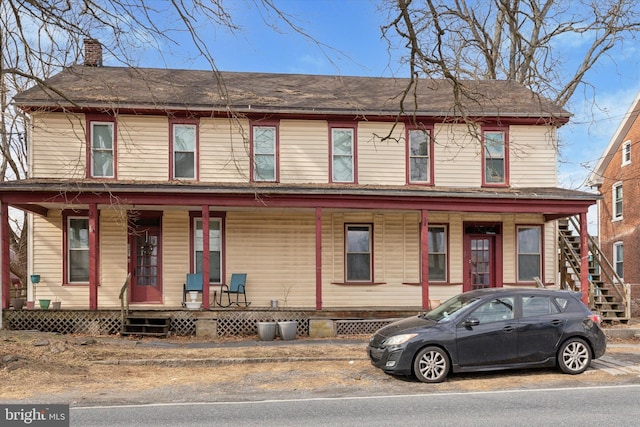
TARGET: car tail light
(595,318)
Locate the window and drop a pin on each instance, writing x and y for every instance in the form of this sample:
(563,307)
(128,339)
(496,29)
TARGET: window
(184,147)
(437,253)
(343,154)
(215,248)
(359,253)
(626,153)
(77,244)
(419,149)
(618,258)
(529,253)
(495,157)
(537,305)
(102,153)
(496,310)
(617,200)
(265,143)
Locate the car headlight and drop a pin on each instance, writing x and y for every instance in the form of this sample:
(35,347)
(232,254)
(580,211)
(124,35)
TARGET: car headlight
(398,339)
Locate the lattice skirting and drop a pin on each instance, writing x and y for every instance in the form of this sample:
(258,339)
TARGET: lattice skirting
(246,322)
(360,327)
(109,322)
(183,323)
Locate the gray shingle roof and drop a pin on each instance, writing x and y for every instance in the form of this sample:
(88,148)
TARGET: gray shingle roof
(206,91)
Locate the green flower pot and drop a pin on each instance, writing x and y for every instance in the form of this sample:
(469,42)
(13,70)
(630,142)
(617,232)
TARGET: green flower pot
(44,303)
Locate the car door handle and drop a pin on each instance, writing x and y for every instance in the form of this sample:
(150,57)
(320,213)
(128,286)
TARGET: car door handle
(556,322)
(508,329)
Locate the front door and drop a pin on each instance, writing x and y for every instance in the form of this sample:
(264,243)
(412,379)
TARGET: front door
(146,261)
(482,256)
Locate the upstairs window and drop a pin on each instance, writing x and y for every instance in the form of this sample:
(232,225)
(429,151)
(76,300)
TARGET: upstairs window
(265,153)
(184,149)
(617,201)
(494,157)
(343,152)
(359,253)
(626,153)
(618,258)
(102,153)
(419,148)
(529,253)
(437,253)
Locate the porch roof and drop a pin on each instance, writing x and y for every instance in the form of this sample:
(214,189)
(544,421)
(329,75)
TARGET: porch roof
(48,192)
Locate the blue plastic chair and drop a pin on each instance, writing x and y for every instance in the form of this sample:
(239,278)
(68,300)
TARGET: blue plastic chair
(193,283)
(237,287)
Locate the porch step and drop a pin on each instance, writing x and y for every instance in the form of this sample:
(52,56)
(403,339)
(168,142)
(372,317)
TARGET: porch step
(147,325)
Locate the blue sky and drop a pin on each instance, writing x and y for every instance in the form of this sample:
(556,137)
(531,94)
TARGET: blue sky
(349,31)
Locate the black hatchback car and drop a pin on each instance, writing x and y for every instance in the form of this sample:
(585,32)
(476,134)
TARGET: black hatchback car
(490,329)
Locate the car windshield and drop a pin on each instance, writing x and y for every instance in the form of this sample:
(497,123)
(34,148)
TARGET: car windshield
(450,306)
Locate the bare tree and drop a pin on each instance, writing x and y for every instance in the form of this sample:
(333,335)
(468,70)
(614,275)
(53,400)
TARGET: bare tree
(522,40)
(39,38)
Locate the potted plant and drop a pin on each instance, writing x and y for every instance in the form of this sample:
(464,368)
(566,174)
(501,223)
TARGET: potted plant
(55,305)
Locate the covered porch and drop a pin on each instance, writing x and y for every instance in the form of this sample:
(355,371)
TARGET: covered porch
(314,239)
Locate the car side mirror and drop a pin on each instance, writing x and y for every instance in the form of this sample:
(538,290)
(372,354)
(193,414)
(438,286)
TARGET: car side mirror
(470,322)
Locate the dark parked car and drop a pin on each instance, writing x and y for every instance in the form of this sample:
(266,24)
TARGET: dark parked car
(491,329)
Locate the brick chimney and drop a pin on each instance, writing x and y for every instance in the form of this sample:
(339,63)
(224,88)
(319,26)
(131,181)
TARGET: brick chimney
(92,53)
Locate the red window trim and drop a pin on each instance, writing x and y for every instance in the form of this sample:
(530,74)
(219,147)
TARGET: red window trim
(541,227)
(264,123)
(430,129)
(372,280)
(65,245)
(212,215)
(505,130)
(343,125)
(184,121)
(104,118)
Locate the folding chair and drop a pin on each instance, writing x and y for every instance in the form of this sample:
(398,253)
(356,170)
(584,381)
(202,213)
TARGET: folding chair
(237,287)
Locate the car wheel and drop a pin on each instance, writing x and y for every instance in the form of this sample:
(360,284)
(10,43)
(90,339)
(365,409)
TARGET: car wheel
(431,365)
(574,356)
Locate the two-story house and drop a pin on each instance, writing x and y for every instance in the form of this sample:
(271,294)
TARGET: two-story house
(616,178)
(323,189)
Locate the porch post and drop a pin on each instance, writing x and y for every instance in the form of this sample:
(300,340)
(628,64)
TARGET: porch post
(5,267)
(206,262)
(318,258)
(93,256)
(424,258)
(584,258)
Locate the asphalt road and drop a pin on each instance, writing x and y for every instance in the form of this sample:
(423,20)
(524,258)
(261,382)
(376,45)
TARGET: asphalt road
(610,405)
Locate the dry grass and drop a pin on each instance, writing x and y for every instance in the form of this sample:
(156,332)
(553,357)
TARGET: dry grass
(76,370)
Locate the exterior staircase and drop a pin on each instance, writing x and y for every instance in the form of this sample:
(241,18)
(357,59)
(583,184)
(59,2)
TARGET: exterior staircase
(609,296)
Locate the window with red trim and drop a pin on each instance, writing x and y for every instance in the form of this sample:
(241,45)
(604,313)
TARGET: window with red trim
(420,155)
(343,153)
(101,143)
(76,248)
(359,253)
(264,151)
(216,247)
(184,149)
(495,156)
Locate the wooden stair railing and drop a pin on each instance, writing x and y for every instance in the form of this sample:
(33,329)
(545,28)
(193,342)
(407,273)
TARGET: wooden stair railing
(608,294)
